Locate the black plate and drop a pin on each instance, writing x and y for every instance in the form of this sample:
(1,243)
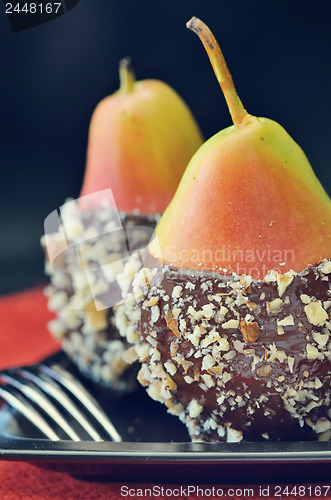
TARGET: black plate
(156,447)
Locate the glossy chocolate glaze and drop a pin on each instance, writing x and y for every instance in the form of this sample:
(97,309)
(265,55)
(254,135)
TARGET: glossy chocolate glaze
(257,401)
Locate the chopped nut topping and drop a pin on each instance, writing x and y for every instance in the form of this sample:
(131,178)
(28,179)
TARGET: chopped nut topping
(176,312)
(312,351)
(223,310)
(270,276)
(238,345)
(311,406)
(194,408)
(283,281)
(232,323)
(305,299)
(264,371)
(188,379)
(280,330)
(207,362)
(275,306)
(182,325)
(223,344)
(143,380)
(226,377)
(250,331)
(315,313)
(177,291)
(170,367)
(215,370)
(322,425)
(130,355)
(151,341)
(98,319)
(290,362)
(212,337)
(195,314)
(174,346)
(281,355)
(208,310)
(321,338)
(155,313)
(152,302)
(288,321)
(172,324)
(326,267)
(249,352)
(190,286)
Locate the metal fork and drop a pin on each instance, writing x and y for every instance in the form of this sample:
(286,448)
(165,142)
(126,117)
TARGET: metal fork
(50,394)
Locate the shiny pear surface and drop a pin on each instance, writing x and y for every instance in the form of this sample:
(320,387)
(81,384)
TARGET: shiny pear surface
(139,145)
(248,202)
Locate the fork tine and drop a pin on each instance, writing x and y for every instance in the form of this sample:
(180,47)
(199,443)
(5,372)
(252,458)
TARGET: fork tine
(73,385)
(20,404)
(39,398)
(53,389)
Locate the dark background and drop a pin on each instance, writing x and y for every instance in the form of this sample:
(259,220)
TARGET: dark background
(53,75)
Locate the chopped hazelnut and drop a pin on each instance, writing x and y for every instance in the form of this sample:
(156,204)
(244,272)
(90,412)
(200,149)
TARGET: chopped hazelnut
(155,313)
(315,313)
(250,331)
(194,408)
(232,323)
(283,281)
(152,302)
(264,371)
(172,324)
(177,291)
(312,351)
(275,306)
(321,338)
(288,321)
(326,267)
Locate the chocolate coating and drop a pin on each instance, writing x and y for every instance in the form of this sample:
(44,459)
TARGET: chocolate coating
(235,357)
(84,314)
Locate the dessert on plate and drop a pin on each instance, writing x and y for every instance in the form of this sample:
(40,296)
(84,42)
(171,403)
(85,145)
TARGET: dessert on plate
(229,306)
(140,140)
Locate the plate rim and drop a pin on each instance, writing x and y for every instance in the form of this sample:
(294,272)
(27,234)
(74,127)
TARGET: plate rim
(33,449)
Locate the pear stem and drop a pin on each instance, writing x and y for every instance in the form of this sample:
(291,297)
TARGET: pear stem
(236,108)
(127,76)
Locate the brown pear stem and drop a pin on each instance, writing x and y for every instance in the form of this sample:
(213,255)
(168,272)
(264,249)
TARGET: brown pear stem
(127,76)
(236,108)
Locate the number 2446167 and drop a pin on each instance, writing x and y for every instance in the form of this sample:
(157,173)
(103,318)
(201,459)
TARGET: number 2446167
(33,8)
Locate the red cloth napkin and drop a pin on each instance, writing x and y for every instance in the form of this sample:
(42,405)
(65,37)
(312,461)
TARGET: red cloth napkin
(24,339)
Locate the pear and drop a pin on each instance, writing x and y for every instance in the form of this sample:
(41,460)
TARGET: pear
(237,349)
(140,141)
(249,200)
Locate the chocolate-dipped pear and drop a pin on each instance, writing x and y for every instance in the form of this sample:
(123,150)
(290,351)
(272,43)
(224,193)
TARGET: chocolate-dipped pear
(230,315)
(140,140)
